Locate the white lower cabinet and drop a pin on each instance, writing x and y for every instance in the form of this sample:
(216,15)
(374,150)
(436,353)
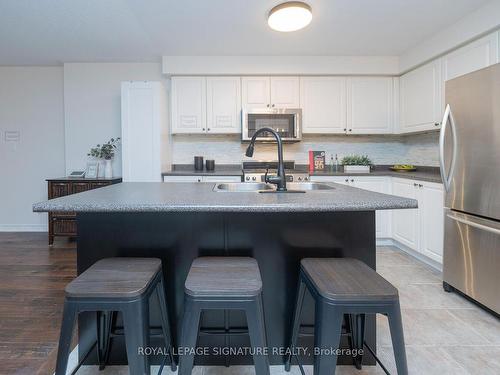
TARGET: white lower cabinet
(378,184)
(191,178)
(421,229)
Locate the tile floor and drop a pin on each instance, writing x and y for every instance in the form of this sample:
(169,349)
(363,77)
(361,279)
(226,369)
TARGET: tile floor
(445,333)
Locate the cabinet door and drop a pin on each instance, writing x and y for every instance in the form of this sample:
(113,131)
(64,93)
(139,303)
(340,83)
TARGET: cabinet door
(474,56)
(431,207)
(379,185)
(323,102)
(188,105)
(285,92)
(344,180)
(370,105)
(421,100)
(223,105)
(256,92)
(182,178)
(221,178)
(59,189)
(405,223)
(79,187)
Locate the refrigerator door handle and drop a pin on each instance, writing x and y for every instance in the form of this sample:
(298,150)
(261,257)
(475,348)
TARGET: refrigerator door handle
(448,115)
(467,220)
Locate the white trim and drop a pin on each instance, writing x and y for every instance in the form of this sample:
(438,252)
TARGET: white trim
(419,256)
(280,65)
(23,228)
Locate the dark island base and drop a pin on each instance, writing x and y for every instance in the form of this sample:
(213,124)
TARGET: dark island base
(278,241)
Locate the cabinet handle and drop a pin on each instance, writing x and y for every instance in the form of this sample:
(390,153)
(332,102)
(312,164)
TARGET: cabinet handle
(415,184)
(350,130)
(352,180)
(272,106)
(437,123)
(420,185)
(346,180)
(203,129)
(208,129)
(268,106)
(345,129)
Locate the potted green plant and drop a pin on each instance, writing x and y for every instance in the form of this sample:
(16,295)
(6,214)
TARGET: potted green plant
(106,152)
(356,164)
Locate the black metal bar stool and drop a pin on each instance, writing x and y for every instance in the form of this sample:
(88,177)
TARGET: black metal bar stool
(345,286)
(224,283)
(117,284)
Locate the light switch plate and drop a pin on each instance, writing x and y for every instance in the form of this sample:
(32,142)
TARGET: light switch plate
(12,136)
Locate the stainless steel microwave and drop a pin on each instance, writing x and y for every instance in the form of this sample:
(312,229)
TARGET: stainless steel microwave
(286,122)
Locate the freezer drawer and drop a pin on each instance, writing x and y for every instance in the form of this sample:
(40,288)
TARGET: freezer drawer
(472,257)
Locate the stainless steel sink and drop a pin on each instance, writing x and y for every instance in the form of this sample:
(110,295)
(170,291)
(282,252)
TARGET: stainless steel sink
(242,187)
(246,187)
(308,186)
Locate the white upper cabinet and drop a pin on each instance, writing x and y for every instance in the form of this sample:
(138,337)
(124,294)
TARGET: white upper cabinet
(270,92)
(420,98)
(285,92)
(223,105)
(256,92)
(189,101)
(370,105)
(474,56)
(323,103)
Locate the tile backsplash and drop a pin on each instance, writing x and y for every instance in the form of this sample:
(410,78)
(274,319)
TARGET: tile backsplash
(419,149)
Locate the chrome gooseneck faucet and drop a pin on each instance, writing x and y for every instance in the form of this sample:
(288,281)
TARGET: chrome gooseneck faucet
(279,180)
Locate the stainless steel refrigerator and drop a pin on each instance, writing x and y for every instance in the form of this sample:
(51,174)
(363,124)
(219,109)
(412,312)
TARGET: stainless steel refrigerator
(470,167)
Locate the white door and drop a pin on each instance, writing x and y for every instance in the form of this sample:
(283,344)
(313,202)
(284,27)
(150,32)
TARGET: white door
(256,92)
(474,56)
(189,105)
(370,105)
(405,223)
(223,105)
(323,103)
(285,92)
(379,185)
(431,207)
(143,125)
(421,100)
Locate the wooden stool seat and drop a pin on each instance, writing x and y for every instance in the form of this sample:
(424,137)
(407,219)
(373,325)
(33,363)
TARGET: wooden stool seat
(115,278)
(224,276)
(338,279)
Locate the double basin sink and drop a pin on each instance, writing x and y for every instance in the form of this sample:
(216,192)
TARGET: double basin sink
(259,187)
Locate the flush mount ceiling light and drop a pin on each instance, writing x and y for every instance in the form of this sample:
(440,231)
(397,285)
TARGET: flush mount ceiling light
(290,16)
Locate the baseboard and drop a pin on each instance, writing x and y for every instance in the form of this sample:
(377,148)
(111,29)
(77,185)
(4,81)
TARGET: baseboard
(415,254)
(384,242)
(23,228)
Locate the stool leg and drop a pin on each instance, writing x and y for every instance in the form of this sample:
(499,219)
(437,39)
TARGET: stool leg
(165,322)
(136,326)
(190,328)
(357,325)
(397,336)
(327,332)
(104,325)
(67,327)
(257,331)
(301,290)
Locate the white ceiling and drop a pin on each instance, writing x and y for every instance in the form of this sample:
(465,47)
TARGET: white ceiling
(42,32)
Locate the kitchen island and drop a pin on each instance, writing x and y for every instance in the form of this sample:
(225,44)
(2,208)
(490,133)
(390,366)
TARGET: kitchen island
(178,222)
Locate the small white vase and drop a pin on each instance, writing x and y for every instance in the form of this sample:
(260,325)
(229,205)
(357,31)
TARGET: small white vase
(108,169)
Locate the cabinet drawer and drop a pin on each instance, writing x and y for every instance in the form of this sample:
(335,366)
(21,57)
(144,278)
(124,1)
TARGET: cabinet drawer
(96,185)
(78,187)
(59,189)
(64,226)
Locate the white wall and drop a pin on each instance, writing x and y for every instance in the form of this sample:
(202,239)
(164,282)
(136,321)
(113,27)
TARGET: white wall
(92,105)
(419,149)
(31,101)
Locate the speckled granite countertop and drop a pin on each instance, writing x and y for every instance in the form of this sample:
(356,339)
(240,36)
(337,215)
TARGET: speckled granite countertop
(200,197)
(423,173)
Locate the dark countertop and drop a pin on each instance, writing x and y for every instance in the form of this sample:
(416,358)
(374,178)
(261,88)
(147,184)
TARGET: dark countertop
(220,170)
(200,197)
(423,173)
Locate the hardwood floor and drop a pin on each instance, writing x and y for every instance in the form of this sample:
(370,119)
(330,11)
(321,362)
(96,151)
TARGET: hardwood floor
(32,280)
